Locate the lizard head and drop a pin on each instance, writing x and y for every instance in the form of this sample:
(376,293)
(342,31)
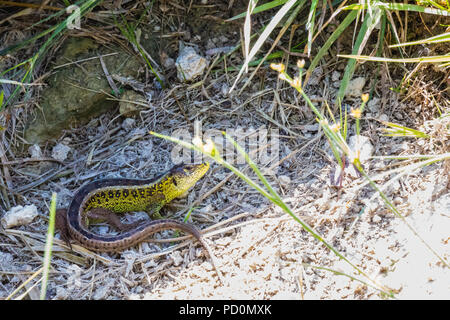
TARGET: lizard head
(185,176)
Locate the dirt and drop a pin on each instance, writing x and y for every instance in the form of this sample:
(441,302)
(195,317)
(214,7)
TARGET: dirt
(262,252)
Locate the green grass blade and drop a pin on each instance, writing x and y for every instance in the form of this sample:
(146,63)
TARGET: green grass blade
(265,34)
(48,246)
(400,7)
(351,16)
(266,57)
(1,99)
(396,130)
(247,29)
(261,8)
(369,23)
(445,37)
(430,59)
(310,24)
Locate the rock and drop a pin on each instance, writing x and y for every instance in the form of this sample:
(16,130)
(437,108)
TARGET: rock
(374,105)
(223,39)
(60,152)
(335,76)
(398,116)
(177,258)
(355,87)
(128,123)
(35,151)
(127,107)
(225,89)
(376,219)
(383,117)
(284,181)
(210,44)
(167,61)
(190,65)
(76,93)
(19,216)
(316,76)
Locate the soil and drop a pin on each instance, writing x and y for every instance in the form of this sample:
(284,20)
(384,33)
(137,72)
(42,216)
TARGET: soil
(261,251)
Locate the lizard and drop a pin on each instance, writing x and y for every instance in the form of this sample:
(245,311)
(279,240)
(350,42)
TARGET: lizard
(103,199)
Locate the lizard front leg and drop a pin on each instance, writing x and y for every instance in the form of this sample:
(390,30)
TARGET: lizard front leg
(155,206)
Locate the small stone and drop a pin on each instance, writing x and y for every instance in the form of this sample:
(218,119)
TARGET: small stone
(129,103)
(128,123)
(60,152)
(19,216)
(355,87)
(61,294)
(169,63)
(383,117)
(223,39)
(177,258)
(6,259)
(399,148)
(224,89)
(35,151)
(101,293)
(316,76)
(335,76)
(392,188)
(398,116)
(210,44)
(190,65)
(373,105)
(284,180)
(376,219)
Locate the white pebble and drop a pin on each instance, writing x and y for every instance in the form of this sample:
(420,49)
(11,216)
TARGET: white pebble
(128,123)
(35,151)
(60,152)
(383,117)
(355,87)
(284,180)
(190,65)
(376,219)
(19,216)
